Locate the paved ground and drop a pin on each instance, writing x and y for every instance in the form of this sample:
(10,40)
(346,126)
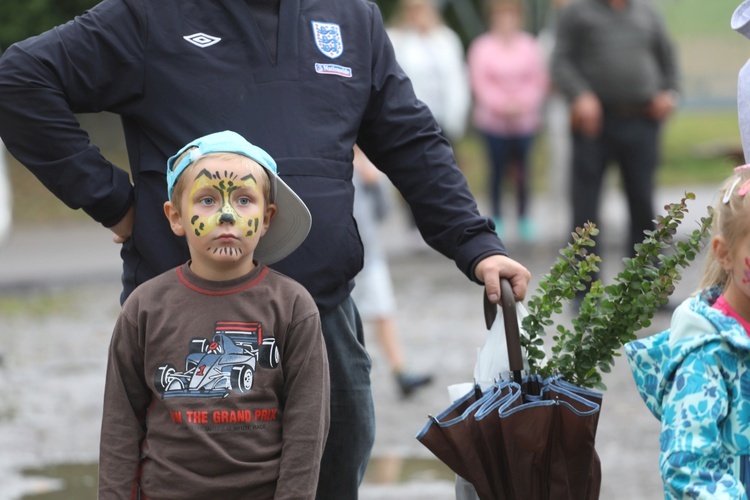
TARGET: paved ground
(58,300)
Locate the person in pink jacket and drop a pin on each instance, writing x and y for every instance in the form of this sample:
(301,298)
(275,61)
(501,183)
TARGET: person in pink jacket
(509,81)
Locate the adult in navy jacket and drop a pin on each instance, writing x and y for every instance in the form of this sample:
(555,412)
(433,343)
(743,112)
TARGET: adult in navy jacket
(303,79)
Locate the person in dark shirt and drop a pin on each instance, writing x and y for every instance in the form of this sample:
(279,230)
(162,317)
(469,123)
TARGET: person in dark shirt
(614,62)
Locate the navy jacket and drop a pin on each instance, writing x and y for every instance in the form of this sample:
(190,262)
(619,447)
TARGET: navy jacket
(178,69)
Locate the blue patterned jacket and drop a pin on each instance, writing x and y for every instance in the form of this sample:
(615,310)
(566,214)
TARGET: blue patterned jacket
(695,378)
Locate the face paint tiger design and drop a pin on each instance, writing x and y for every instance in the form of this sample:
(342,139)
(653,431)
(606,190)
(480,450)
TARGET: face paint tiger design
(223,212)
(227,209)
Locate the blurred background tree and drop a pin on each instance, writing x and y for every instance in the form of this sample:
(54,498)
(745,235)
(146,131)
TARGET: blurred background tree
(21,19)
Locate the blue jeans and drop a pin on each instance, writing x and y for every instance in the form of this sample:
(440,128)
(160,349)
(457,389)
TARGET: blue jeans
(506,151)
(352,431)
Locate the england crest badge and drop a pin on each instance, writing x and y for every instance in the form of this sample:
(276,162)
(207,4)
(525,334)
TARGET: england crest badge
(328,38)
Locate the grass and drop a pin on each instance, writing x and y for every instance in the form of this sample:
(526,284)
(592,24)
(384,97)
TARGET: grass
(690,18)
(699,147)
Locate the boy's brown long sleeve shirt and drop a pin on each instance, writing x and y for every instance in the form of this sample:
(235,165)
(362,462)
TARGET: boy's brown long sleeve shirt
(215,390)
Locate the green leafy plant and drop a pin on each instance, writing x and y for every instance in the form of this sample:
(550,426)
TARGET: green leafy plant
(608,316)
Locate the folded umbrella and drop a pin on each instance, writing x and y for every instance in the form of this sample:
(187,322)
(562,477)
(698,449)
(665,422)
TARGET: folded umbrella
(523,439)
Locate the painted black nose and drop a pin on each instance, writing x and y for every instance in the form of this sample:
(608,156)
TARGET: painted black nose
(226,217)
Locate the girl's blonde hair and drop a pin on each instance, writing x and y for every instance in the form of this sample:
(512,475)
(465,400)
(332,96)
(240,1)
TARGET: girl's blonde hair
(264,183)
(731,221)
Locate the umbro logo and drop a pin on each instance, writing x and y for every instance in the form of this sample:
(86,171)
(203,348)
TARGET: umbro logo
(202,40)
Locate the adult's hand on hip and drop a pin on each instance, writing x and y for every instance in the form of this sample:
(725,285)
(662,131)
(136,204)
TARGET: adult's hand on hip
(124,229)
(492,268)
(587,114)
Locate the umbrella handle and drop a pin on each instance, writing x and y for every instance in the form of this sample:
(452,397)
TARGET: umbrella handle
(510,321)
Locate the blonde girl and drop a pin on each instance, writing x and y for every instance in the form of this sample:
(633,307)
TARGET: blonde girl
(695,377)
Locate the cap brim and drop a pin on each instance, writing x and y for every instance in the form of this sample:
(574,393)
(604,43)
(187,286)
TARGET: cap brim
(287,230)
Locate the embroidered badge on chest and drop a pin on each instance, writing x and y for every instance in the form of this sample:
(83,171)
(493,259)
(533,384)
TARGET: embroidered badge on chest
(328,38)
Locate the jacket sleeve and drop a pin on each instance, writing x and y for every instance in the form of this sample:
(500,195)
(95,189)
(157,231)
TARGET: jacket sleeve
(126,402)
(306,410)
(693,460)
(400,136)
(90,64)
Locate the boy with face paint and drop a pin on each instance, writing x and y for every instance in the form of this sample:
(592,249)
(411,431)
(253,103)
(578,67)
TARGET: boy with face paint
(217,382)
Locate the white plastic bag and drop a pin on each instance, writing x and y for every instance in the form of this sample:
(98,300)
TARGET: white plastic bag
(492,359)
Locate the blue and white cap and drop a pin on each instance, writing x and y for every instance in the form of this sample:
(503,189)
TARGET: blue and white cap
(740,21)
(292,222)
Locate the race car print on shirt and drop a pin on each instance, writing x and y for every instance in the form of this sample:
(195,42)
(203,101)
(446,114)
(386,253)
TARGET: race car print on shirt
(224,364)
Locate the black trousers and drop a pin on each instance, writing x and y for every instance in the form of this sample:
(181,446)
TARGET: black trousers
(632,142)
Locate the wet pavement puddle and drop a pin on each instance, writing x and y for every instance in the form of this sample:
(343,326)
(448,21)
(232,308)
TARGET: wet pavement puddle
(79,481)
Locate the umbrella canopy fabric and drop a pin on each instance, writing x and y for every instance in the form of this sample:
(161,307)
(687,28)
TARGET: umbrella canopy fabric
(514,444)
(455,439)
(523,439)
